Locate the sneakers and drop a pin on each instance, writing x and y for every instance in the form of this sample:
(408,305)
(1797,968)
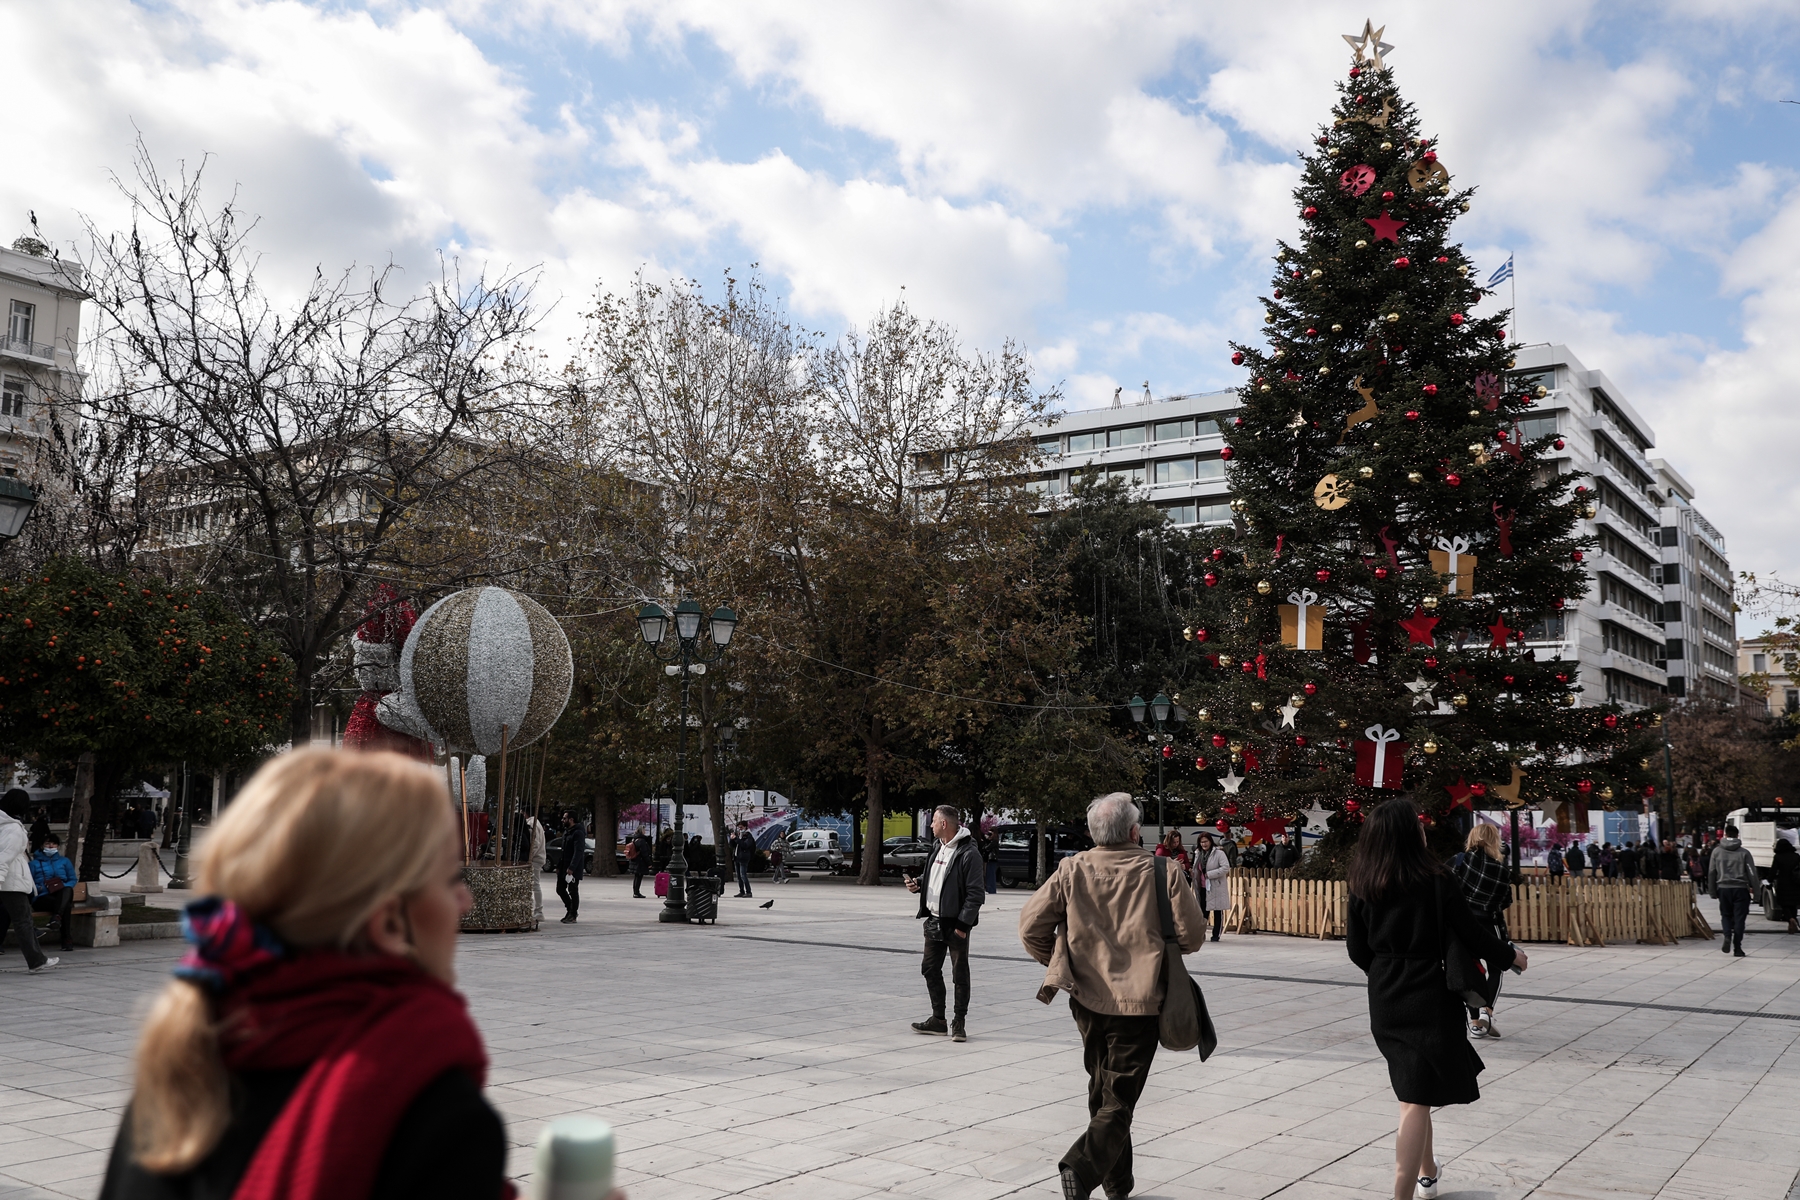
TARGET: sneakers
(1428,1187)
(957,1033)
(45,966)
(1477,1030)
(568,919)
(1071,1185)
(1726,948)
(933,1025)
(1493,1030)
(1737,952)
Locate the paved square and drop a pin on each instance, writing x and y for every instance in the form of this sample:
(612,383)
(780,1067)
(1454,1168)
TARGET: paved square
(770,1057)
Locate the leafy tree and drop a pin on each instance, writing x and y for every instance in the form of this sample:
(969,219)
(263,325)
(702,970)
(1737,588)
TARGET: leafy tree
(101,664)
(1378,426)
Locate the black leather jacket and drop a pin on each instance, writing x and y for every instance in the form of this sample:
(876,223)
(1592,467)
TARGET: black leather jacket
(964,886)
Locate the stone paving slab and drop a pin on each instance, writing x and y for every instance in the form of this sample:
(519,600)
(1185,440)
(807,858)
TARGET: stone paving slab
(770,1057)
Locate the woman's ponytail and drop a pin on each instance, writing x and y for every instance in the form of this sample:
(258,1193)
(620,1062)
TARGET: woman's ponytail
(183,1100)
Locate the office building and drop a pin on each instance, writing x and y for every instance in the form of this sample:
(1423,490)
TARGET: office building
(40,303)
(1167,449)
(1763,664)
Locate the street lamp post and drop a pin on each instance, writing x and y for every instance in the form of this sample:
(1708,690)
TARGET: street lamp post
(16,502)
(1158,711)
(685,660)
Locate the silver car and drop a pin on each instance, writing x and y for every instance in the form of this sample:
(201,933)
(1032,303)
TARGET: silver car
(814,848)
(905,854)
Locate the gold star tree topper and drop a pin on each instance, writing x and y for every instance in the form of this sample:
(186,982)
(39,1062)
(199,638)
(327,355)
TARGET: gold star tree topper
(1368,46)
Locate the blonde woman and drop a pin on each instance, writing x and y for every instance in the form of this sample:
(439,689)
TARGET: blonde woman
(1487,889)
(312,1043)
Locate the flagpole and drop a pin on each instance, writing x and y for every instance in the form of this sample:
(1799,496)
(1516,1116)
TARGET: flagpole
(1512,277)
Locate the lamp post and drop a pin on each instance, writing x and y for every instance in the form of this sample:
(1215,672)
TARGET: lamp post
(16,502)
(1158,711)
(686,660)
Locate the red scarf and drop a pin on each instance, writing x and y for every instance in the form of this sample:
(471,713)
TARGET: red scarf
(372,1031)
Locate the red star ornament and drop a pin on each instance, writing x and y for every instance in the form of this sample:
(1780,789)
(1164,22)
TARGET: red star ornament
(1501,634)
(1418,628)
(1460,791)
(1386,228)
(1267,830)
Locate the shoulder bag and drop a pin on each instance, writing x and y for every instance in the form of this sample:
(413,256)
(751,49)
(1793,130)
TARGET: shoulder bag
(1184,1023)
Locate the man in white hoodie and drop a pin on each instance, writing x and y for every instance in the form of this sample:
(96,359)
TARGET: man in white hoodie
(1732,874)
(950,904)
(17,886)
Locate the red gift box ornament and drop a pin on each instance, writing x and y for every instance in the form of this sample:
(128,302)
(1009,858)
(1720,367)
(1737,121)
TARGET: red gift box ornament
(1380,758)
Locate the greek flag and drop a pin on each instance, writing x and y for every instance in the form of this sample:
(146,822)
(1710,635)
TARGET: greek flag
(1503,274)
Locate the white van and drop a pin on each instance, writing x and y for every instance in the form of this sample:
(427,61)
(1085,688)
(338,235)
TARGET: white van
(814,848)
(1758,828)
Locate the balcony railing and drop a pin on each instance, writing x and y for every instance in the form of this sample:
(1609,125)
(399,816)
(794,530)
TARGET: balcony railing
(27,348)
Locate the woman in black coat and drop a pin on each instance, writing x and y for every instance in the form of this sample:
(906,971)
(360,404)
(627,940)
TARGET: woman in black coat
(1403,905)
(1787,882)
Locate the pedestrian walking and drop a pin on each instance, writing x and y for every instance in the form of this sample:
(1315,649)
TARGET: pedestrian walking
(778,857)
(950,899)
(1284,855)
(1556,863)
(1403,909)
(312,1044)
(1668,863)
(990,862)
(569,867)
(17,885)
(743,855)
(1629,867)
(1169,846)
(1576,860)
(1733,880)
(540,855)
(1706,853)
(40,827)
(637,856)
(1609,861)
(1211,880)
(54,876)
(1096,925)
(1786,870)
(1487,889)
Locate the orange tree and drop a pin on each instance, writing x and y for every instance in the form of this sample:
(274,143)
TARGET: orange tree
(132,673)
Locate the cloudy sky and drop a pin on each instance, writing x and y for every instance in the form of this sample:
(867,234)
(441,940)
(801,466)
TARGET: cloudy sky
(1102,181)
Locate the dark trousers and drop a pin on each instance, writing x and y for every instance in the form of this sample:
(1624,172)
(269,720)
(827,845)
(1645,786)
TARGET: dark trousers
(992,873)
(637,882)
(1117,1052)
(1490,991)
(1218,920)
(1734,913)
(933,971)
(743,877)
(15,909)
(58,904)
(568,888)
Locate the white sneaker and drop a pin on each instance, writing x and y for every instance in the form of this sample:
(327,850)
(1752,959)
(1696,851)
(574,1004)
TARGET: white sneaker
(45,965)
(1428,1187)
(1476,1030)
(1487,1018)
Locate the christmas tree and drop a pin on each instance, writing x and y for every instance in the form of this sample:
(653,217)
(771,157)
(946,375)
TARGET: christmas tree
(1397,542)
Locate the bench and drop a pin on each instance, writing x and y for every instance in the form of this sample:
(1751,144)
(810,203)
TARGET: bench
(94,918)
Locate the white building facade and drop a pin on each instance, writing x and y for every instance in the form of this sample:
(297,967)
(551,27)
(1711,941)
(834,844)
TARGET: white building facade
(1168,450)
(40,304)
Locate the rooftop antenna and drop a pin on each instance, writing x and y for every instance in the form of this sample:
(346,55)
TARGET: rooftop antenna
(1147,397)
(1116,392)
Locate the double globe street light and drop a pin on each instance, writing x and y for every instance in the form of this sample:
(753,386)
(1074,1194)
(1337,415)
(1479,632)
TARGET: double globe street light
(1158,710)
(686,660)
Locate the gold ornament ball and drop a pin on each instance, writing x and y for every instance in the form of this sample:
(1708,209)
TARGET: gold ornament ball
(1462,270)
(1256,706)
(1474,414)
(1430,747)
(1317,273)
(1337,329)
(1429,604)
(1414,477)
(1387,145)
(1263,587)
(1333,152)
(1366,472)
(1460,700)
(1361,244)
(1569,700)
(1606,793)
(1268,318)
(1542,391)
(1476,448)
(1465,206)
(1236,747)
(1643,764)
(1591,511)
(1343,724)
(1265,387)
(1297,700)
(1281,354)
(1187,635)
(1324,370)
(1393,318)
(1204,714)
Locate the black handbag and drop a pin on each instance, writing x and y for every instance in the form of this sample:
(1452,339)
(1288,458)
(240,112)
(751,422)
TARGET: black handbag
(1464,977)
(1184,1023)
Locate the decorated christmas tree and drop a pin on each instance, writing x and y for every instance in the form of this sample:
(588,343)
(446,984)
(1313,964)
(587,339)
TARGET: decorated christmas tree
(1385,615)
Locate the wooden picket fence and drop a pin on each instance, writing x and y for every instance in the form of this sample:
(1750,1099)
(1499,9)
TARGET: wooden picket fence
(1579,912)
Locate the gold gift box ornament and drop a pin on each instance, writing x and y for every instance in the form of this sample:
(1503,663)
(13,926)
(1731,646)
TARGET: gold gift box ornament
(1453,560)
(1303,621)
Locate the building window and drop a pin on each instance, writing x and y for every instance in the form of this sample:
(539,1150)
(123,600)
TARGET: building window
(1049,445)
(1080,442)
(1184,513)
(1053,486)
(12,397)
(1793,699)
(1621,640)
(1548,630)
(1533,428)
(1629,599)
(1131,436)
(20,321)
(1169,431)
(1671,573)
(1210,468)
(1174,470)
(1132,473)
(1671,536)
(1672,648)
(1671,612)
(1533,380)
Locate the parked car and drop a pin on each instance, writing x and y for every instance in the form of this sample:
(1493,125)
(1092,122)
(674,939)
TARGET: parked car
(814,848)
(1018,850)
(905,854)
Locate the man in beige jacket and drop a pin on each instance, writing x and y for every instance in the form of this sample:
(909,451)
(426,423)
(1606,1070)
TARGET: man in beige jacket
(1095,925)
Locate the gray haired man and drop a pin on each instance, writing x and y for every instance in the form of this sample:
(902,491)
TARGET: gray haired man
(1095,924)
(950,904)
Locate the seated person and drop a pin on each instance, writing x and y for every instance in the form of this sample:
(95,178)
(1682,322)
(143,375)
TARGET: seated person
(55,878)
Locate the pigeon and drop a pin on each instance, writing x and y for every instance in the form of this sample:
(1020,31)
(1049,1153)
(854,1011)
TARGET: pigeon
(767,904)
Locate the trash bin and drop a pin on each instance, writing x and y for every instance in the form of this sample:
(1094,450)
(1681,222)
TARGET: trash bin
(703,893)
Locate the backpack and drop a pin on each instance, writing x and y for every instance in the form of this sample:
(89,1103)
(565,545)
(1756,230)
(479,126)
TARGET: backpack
(631,850)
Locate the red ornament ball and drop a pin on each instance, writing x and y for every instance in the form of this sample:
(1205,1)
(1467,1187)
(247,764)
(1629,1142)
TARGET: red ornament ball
(1412,414)
(1200,635)
(1237,421)
(1200,763)
(1352,805)
(1580,489)
(1453,479)
(1322,575)
(1584,786)
(1403,261)
(1561,678)
(1310,688)
(1248,666)
(1558,443)
(1387,195)
(1218,553)
(1381,572)
(1507,679)
(1299,739)
(1227,453)
(1218,741)
(1610,720)
(1237,358)
(1168,752)
(1431,662)
(1478,789)
(1649,789)
(1324,141)
(1309,211)
(1456,318)
(1223,825)
(1429,156)
(1355,71)
(1278,293)
(1576,556)
(1210,580)
(1442,258)
(1430,389)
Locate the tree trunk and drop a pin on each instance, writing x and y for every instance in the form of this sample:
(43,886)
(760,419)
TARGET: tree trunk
(300,714)
(103,784)
(81,817)
(1041,868)
(871,859)
(606,835)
